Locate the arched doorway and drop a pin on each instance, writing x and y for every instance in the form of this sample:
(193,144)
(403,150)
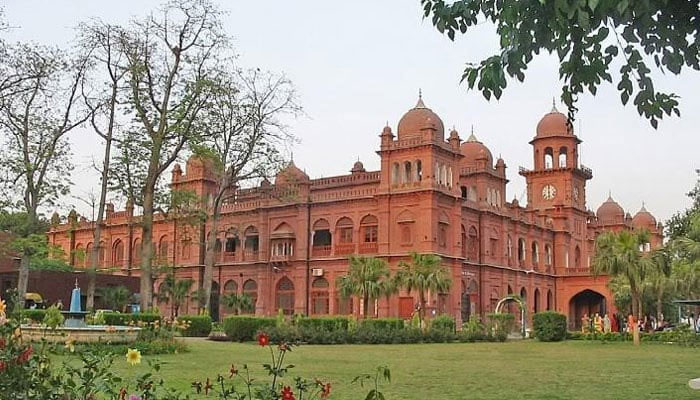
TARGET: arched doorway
(285,296)
(585,302)
(469,299)
(214,301)
(510,299)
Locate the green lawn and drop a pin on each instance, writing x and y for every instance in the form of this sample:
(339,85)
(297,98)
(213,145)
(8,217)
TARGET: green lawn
(512,370)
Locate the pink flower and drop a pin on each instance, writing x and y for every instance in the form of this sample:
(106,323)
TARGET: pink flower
(134,397)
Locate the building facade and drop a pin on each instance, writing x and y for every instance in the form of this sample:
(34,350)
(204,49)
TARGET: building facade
(286,243)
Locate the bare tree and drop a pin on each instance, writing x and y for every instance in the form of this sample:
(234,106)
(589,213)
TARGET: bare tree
(102,91)
(35,118)
(172,58)
(245,130)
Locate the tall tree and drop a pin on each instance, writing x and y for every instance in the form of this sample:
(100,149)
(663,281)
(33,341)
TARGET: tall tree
(590,38)
(174,291)
(422,274)
(679,224)
(238,303)
(102,90)
(368,278)
(620,254)
(244,131)
(172,58)
(35,119)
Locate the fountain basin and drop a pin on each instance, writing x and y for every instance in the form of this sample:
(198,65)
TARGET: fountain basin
(84,334)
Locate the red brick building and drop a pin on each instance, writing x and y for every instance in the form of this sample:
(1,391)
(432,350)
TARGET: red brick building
(286,243)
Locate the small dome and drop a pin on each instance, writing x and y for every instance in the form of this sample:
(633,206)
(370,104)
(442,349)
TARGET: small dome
(554,123)
(610,212)
(418,118)
(357,167)
(644,219)
(291,174)
(474,150)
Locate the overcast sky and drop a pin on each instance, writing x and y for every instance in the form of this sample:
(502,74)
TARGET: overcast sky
(358,64)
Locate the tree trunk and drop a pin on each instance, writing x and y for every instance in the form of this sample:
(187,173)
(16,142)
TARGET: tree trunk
(22,280)
(635,314)
(146,250)
(209,256)
(365,305)
(421,312)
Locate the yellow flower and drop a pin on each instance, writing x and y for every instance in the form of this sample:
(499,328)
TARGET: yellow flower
(133,356)
(70,344)
(3,306)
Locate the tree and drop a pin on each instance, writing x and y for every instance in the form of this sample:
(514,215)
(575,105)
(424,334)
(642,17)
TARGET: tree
(116,297)
(244,133)
(102,91)
(679,223)
(422,274)
(239,303)
(174,291)
(35,118)
(368,278)
(172,58)
(590,38)
(620,254)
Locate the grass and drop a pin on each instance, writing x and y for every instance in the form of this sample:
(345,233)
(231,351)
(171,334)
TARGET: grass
(511,370)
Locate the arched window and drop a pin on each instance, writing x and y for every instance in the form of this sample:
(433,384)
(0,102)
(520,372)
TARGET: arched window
(163,249)
(464,191)
(88,254)
(406,234)
(535,253)
(186,249)
(442,234)
(436,174)
(251,243)
(230,287)
(577,257)
(521,251)
(136,253)
(523,294)
(464,242)
(498,198)
(550,300)
(118,253)
(493,243)
(369,225)
(473,239)
(547,254)
(537,300)
(407,174)
(473,195)
(449,176)
(419,171)
(562,157)
(509,251)
(285,296)
(396,174)
(250,289)
(79,255)
(548,158)
(344,230)
(319,296)
(443,174)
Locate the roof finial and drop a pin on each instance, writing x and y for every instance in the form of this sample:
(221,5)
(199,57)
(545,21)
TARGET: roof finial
(420,93)
(420,103)
(554,105)
(609,194)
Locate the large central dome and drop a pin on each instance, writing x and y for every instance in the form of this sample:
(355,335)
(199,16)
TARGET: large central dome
(418,118)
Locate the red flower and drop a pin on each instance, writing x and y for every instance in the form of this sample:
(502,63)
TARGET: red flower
(287,393)
(326,390)
(2,366)
(263,339)
(26,355)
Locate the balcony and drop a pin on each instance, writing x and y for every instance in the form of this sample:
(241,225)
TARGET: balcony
(321,251)
(368,248)
(280,257)
(342,249)
(250,255)
(228,256)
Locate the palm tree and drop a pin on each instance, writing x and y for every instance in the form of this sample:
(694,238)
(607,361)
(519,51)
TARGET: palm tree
(117,297)
(368,278)
(239,303)
(424,273)
(659,280)
(621,254)
(174,291)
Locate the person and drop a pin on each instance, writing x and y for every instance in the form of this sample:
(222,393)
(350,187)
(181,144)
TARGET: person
(585,323)
(614,325)
(598,322)
(606,324)
(652,322)
(59,304)
(630,323)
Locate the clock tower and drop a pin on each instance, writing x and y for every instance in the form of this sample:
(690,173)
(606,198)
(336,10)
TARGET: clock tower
(557,180)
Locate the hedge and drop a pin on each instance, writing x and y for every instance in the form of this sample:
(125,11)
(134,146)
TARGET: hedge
(36,316)
(549,326)
(115,318)
(443,323)
(242,327)
(382,324)
(329,324)
(199,325)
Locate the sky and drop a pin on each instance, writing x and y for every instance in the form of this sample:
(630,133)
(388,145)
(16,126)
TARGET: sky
(360,64)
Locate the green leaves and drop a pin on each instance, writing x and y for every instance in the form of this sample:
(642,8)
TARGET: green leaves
(577,32)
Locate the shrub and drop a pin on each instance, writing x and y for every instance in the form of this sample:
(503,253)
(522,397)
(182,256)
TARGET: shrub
(35,316)
(549,326)
(53,317)
(241,328)
(115,318)
(500,325)
(443,323)
(382,324)
(197,325)
(329,324)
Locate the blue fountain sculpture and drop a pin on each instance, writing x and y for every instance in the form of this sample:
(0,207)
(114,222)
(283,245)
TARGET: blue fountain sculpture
(75,314)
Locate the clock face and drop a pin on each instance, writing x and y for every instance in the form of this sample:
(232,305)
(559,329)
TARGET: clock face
(548,192)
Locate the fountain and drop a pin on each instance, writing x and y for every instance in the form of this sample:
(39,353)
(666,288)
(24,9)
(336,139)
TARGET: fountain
(78,330)
(75,317)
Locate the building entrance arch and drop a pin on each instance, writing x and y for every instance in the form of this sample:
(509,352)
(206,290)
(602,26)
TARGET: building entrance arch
(521,305)
(586,302)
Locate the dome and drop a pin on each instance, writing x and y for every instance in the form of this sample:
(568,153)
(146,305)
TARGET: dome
(474,150)
(554,123)
(610,212)
(643,219)
(291,175)
(418,118)
(357,167)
